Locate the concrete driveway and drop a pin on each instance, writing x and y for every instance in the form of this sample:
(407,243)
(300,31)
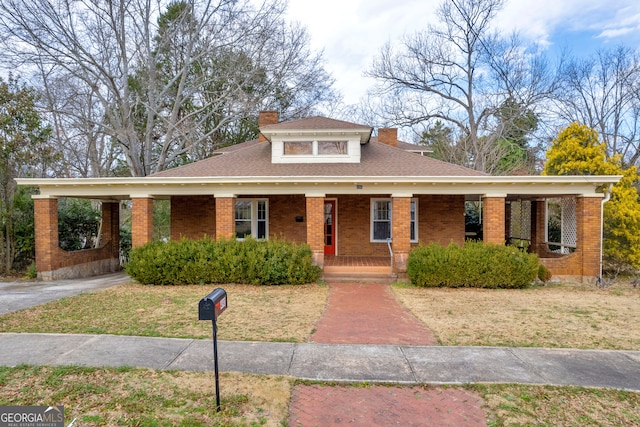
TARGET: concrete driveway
(18,294)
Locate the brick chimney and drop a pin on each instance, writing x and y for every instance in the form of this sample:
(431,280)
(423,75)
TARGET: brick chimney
(266,118)
(388,136)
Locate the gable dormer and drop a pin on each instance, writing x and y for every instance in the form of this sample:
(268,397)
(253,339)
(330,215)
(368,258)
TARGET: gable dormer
(314,140)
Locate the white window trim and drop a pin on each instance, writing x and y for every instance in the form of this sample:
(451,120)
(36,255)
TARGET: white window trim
(414,201)
(254,217)
(351,156)
(372,203)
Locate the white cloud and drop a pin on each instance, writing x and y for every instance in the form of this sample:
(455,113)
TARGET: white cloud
(352,32)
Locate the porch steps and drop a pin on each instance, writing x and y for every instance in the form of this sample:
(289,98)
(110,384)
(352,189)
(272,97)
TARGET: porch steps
(370,274)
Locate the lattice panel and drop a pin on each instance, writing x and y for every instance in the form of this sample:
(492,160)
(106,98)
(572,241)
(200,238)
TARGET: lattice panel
(520,220)
(569,227)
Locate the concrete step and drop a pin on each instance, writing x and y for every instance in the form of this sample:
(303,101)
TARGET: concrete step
(345,269)
(358,274)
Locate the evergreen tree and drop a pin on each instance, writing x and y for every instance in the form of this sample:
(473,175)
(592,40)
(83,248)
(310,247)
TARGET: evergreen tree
(578,151)
(23,148)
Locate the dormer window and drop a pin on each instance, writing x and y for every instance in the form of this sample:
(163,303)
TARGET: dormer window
(315,148)
(297,148)
(315,140)
(332,147)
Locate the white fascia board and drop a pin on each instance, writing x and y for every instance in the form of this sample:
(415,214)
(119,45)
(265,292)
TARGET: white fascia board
(362,133)
(167,186)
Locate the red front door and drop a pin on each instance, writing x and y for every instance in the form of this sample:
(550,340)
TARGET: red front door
(329,227)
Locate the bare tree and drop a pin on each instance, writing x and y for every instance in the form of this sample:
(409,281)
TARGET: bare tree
(603,92)
(461,74)
(165,77)
(74,113)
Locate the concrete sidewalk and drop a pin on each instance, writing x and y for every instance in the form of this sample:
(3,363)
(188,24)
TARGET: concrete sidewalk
(343,363)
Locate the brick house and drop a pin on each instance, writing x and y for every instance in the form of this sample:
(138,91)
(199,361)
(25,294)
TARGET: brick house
(346,193)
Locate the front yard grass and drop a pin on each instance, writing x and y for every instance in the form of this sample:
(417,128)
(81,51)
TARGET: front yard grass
(567,316)
(144,397)
(551,316)
(254,313)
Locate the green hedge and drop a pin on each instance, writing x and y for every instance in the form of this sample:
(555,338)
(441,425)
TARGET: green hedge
(206,261)
(475,264)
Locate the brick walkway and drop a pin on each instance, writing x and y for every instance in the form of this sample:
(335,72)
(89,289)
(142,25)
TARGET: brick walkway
(369,314)
(314,405)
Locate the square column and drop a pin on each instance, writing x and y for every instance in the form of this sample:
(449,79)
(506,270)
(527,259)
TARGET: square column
(538,227)
(225,218)
(315,228)
(111,227)
(46,233)
(589,235)
(401,232)
(493,219)
(141,221)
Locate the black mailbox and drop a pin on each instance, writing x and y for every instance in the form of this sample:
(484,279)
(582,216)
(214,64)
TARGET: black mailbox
(211,306)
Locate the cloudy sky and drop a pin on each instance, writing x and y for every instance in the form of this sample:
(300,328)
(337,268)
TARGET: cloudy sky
(351,32)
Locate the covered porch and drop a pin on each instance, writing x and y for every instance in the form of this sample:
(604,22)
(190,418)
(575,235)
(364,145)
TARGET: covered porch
(354,226)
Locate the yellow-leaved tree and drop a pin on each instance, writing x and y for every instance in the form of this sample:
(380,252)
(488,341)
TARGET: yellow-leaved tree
(577,150)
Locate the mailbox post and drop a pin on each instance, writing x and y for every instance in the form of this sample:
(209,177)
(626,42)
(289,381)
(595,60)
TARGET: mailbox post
(209,308)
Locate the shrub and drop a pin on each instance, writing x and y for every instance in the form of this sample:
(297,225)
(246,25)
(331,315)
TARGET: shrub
(206,261)
(543,273)
(475,265)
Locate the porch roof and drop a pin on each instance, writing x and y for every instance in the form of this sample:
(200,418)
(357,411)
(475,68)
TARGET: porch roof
(511,187)
(246,170)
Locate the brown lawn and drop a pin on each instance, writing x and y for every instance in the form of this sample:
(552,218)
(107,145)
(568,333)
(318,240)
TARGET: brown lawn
(551,316)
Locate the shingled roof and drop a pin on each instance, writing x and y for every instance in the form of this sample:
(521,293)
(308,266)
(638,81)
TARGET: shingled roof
(315,123)
(253,159)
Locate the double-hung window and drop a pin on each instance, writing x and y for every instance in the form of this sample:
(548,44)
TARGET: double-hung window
(381,220)
(252,218)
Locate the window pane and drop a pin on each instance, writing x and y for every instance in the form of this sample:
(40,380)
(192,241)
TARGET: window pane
(381,211)
(243,229)
(293,148)
(413,220)
(262,229)
(243,209)
(332,147)
(381,230)
(262,210)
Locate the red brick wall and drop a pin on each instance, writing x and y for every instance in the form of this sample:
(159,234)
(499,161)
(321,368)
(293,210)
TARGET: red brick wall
(589,236)
(225,218)
(193,217)
(354,227)
(266,118)
(111,228)
(493,220)
(315,228)
(441,219)
(388,136)
(49,256)
(585,260)
(401,224)
(46,232)
(283,211)
(141,221)
(315,223)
